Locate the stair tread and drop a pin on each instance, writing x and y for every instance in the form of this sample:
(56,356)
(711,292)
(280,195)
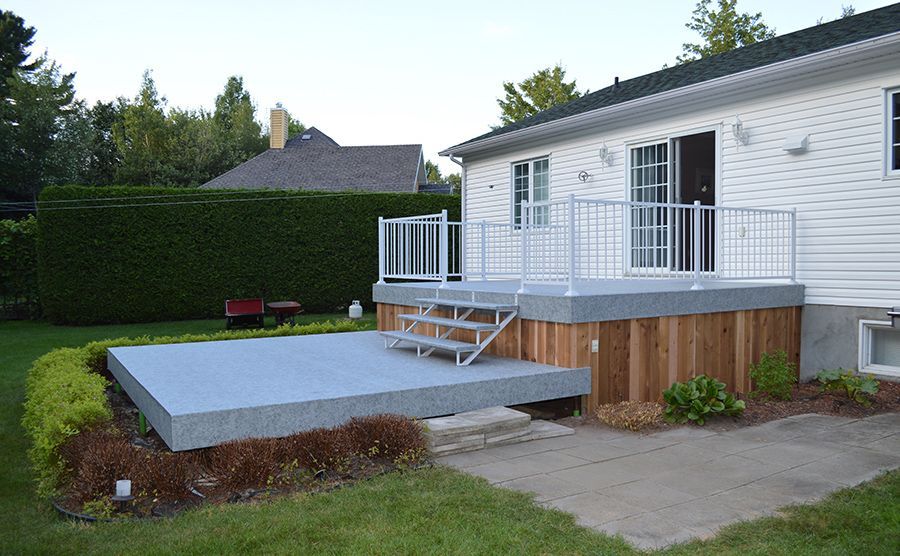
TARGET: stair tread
(454,323)
(431,341)
(467,304)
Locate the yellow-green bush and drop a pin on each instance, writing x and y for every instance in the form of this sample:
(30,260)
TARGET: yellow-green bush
(64,394)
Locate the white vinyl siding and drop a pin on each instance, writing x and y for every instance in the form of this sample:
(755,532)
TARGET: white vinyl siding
(848,236)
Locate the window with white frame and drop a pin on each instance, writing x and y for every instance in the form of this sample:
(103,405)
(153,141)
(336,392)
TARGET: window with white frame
(892,136)
(530,184)
(879,348)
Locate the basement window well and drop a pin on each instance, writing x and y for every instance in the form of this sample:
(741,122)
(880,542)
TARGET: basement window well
(879,348)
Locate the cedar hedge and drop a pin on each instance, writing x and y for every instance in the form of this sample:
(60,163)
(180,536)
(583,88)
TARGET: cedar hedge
(18,269)
(140,258)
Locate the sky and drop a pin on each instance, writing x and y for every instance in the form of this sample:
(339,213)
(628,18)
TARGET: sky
(369,73)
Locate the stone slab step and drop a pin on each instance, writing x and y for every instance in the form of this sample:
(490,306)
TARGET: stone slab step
(546,429)
(450,323)
(467,304)
(497,419)
(430,341)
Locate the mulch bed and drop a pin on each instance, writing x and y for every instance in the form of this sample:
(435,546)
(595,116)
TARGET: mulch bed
(204,489)
(806,398)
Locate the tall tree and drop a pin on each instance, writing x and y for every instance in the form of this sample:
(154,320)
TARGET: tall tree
(15,39)
(104,157)
(44,129)
(143,138)
(544,89)
(722,30)
(846,11)
(240,133)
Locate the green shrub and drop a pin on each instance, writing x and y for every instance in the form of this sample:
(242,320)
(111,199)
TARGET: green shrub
(18,268)
(774,376)
(858,388)
(62,398)
(65,392)
(150,262)
(698,399)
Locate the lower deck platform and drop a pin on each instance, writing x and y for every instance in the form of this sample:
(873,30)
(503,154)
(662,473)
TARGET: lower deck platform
(201,394)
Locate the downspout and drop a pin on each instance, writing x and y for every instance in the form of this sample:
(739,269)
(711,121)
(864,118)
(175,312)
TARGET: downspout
(462,187)
(462,218)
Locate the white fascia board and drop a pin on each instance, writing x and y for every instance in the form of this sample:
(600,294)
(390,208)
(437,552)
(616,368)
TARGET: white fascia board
(754,79)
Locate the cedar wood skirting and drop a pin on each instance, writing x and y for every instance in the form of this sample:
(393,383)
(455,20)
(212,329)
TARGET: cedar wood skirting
(638,358)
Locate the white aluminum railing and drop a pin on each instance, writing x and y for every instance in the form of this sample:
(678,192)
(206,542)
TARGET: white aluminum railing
(578,240)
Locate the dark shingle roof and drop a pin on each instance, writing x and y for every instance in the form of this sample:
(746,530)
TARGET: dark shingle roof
(443,188)
(319,163)
(834,34)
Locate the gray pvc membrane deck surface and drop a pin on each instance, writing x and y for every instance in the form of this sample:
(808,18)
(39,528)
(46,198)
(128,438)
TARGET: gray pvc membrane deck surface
(201,394)
(602,300)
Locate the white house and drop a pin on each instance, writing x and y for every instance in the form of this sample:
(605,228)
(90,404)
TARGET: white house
(807,121)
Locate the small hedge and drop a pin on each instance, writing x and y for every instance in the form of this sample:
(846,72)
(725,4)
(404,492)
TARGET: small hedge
(156,261)
(65,391)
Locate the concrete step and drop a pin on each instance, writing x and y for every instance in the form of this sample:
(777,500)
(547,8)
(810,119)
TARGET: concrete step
(430,341)
(485,428)
(450,323)
(467,304)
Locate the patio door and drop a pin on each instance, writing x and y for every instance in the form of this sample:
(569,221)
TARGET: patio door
(677,170)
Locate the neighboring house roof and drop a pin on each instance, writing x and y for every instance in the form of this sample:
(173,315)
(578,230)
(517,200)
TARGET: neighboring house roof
(312,160)
(444,188)
(842,32)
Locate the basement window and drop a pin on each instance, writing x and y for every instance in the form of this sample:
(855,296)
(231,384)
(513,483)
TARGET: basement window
(879,348)
(892,134)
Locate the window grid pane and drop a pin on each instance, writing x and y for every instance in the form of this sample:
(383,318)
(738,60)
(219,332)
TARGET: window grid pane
(649,225)
(531,181)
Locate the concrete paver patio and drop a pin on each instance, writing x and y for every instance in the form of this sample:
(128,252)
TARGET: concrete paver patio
(647,487)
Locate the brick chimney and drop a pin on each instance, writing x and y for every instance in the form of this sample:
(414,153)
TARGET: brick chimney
(278,127)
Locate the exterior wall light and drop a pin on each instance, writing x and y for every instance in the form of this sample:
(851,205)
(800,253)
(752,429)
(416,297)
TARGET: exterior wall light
(605,156)
(737,130)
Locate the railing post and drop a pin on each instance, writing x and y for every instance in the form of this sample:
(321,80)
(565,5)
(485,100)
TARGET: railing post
(484,249)
(523,246)
(381,250)
(794,245)
(697,256)
(571,245)
(443,248)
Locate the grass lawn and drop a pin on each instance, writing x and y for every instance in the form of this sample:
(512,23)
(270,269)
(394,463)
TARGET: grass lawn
(427,511)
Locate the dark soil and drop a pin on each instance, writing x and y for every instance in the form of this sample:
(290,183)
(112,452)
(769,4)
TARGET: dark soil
(806,398)
(204,489)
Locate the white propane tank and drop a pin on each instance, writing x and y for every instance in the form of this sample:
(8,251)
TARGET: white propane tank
(355,310)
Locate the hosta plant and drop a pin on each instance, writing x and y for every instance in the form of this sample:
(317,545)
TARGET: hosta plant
(859,388)
(699,399)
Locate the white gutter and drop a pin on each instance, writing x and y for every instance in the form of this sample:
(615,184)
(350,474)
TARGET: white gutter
(758,75)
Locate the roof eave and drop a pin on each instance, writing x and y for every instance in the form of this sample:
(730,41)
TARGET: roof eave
(760,77)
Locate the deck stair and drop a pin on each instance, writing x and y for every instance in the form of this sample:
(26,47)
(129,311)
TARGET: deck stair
(485,332)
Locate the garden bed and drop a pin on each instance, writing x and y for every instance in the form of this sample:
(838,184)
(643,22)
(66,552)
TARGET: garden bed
(805,398)
(166,483)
